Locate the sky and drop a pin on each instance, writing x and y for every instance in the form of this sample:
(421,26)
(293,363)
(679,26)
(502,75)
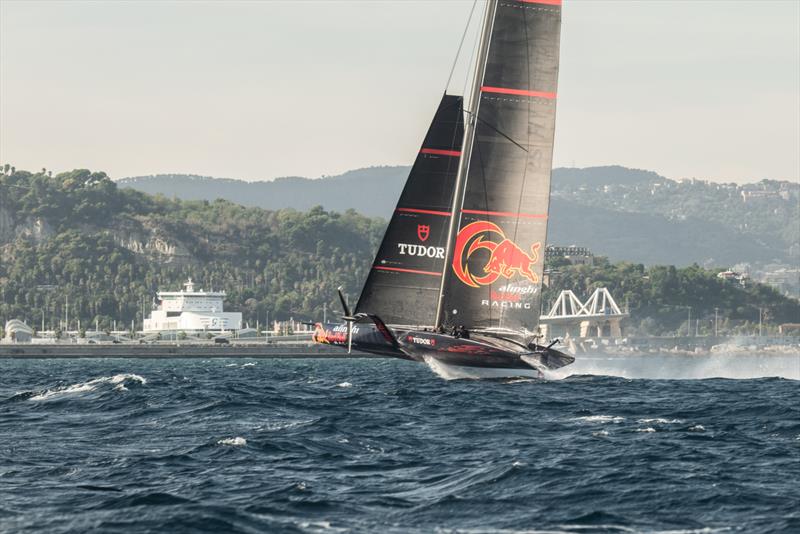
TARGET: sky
(257,90)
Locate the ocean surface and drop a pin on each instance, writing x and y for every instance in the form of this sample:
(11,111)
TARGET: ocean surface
(387,446)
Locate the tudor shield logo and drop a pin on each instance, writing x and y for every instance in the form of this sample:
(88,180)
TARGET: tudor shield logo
(506,258)
(423,231)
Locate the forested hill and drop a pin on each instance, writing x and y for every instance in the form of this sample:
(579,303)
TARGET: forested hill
(78,238)
(626,214)
(110,248)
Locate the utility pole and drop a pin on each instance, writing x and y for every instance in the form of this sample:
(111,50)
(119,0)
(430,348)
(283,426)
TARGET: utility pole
(760,313)
(66,313)
(324,312)
(689,324)
(716,322)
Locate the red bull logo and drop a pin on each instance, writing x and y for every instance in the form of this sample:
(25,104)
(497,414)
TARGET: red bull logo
(506,258)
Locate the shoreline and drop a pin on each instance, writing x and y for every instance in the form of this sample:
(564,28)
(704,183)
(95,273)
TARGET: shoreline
(296,351)
(23,351)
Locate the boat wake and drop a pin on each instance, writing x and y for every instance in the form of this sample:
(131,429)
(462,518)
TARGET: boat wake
(683,367)
(650,367)
(118,381)
(457,372)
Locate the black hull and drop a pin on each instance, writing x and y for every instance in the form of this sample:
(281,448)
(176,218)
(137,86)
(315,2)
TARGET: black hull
(483,352)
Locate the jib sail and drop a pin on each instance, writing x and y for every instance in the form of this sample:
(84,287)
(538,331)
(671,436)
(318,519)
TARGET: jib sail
(403,284)
(496,253)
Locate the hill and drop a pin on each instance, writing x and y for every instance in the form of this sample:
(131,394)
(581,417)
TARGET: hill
(625,214)
(107,250)
(378,186)
(77,245)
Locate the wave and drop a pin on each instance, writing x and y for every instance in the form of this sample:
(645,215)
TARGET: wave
(660,421)
(280,445)
(118,381)
(601,419)
(277,426)
(235,442)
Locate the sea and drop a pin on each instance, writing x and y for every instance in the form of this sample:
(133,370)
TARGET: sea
(656,444)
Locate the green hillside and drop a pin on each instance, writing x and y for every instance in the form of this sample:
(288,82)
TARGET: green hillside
(77,244)
(622,213)
(106,249)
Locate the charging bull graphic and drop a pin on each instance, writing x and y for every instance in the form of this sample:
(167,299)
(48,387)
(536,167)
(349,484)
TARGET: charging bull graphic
(506,258)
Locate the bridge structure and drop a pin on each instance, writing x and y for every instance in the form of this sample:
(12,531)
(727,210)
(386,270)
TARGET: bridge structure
(599,316)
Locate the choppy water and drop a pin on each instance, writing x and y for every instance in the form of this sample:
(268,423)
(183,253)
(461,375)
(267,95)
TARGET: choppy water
(386,446)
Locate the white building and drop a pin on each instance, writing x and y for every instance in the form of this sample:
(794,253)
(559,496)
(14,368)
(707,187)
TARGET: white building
(17,331)
(189,310)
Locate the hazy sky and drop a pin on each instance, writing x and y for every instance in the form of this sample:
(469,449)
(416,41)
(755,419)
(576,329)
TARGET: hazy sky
(255,90)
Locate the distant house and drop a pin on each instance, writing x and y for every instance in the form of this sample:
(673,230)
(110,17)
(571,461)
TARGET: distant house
(733,276)
(789,329)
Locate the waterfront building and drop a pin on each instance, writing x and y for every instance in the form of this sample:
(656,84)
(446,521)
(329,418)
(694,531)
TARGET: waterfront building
(191,311)
(18,332)
(574,254)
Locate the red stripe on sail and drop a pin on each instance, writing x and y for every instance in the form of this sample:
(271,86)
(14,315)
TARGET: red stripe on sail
(439,152)
(413,271)
(517,92)
(547,2)
(428,212)
(506,214)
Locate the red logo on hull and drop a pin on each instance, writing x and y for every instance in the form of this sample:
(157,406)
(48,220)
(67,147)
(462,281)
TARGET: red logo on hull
(506,258)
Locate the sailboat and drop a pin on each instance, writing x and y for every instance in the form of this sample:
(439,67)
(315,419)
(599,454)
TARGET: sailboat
(456,282)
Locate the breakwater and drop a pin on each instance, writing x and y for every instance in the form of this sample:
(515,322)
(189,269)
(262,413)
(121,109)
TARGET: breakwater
(174,350)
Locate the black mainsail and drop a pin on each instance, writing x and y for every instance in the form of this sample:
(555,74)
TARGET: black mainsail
(497,242)
(403,284)
(456,282)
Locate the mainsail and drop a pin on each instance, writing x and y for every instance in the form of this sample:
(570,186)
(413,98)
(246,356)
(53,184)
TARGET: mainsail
(403,284)
(497,240)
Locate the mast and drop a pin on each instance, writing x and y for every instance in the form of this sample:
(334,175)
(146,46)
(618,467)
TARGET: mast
(466,151)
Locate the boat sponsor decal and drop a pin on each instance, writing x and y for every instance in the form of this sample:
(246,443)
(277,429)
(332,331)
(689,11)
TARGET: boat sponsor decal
(470,349)
(506,258)
(516,304)
(512,296)
(332,336)
(422,341)
(407,249)
(423,231)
